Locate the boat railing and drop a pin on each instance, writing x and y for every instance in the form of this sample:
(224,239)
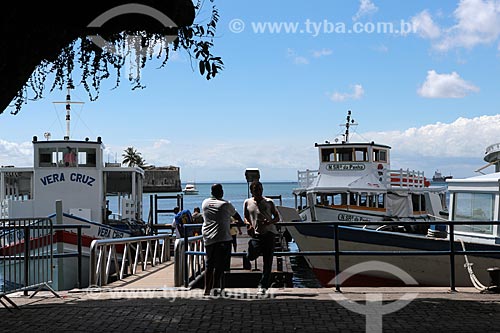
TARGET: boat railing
(121,257)
(493,148)
(27,255)
(306,178)
(405,178)
(4,208)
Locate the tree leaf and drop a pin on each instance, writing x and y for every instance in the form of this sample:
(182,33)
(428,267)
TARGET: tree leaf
(202,67)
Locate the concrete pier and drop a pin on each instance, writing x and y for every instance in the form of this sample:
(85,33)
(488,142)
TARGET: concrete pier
(148,302)
(285,310)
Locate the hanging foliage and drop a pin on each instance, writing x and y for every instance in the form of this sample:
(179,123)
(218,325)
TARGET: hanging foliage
(125,53)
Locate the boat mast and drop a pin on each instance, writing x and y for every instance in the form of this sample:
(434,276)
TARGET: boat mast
(348,123)
(68,103)
(68,113)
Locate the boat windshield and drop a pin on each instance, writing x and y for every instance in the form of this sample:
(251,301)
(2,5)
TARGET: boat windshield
(474,207)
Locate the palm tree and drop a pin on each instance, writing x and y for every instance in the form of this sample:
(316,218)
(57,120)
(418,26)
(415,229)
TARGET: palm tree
(132,157)
(140,162)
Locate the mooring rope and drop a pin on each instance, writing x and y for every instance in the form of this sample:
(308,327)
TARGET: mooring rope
(477,284)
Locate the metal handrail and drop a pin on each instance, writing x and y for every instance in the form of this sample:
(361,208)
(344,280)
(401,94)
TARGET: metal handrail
(337,253)
(41,242)
(188,266)
(105,252)
(451,252)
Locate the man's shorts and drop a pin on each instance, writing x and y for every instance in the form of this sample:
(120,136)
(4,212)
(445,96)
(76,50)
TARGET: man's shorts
(218,255)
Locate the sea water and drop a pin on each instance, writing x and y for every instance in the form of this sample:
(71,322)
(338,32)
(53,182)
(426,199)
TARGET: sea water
(236,193)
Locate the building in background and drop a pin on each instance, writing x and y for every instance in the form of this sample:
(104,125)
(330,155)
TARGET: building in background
(162,179)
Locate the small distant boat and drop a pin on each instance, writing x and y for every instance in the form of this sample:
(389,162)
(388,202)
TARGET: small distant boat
(190,189)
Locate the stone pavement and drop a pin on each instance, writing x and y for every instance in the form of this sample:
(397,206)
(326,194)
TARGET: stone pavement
(240,310)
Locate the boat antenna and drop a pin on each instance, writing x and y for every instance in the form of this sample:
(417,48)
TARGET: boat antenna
(349,122)
(68,103)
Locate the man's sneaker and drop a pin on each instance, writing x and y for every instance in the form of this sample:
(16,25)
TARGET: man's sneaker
(262,291)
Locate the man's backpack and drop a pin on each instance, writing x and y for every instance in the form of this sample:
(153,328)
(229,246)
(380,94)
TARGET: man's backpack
(181,218)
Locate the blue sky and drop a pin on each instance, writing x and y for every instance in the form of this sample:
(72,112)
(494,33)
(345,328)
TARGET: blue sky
(431,94)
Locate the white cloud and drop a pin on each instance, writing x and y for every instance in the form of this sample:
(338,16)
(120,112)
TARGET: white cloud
(381,48)
(321,53)
(461,142)
(456,147)
(445,86)
(462,138)
(425,26)
(297,59)
(357,93)
(160,143)
(366,7)
(17,154)
(476,22)
(301,60)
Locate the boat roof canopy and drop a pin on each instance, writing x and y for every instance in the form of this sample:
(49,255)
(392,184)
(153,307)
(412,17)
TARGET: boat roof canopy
(492,177)
(350,144)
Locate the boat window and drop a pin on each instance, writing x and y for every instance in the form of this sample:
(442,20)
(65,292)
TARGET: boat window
(49,157)
(474,207)
(87,157)
(379,155)
(343,198)
(70,157)
(363,200)
(361,154)
(372,200)
(380,201)
(338,199)
(322,199)
(418,202)
(344,154)
(327,155)
(44,158)
(353,199)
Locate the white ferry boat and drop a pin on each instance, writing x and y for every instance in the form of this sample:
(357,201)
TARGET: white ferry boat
(74,172)
(354,182)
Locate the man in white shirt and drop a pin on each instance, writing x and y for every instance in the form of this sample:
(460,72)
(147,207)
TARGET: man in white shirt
(217,214)
(260,216)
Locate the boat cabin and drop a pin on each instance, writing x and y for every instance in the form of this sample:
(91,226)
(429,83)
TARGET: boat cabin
(357,176)
(476,199)
(74,172)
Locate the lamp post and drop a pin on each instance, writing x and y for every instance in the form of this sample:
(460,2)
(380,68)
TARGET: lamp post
(251,174)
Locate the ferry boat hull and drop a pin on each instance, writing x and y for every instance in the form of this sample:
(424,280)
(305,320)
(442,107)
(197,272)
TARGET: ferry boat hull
(426,270)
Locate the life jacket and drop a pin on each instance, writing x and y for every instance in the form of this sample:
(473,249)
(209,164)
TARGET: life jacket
(181,218)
